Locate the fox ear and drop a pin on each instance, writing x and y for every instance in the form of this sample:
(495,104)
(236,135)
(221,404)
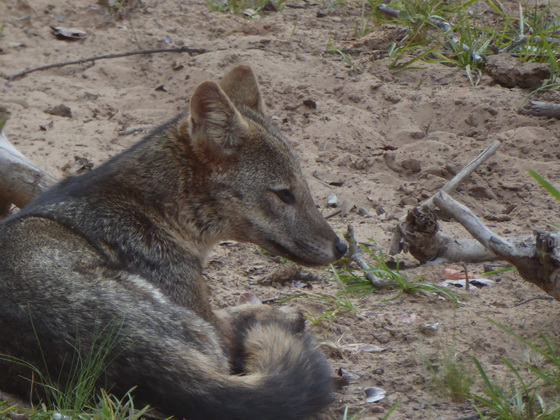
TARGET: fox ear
(241,86)
(215,126)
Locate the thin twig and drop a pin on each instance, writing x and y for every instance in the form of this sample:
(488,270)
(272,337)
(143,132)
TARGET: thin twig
(532,299)
(464,173)
(270,51)
(524,38)
(466,276)
(276,299)
(356,255)
(333,214)
(191,51)
(505,248)
(541,109)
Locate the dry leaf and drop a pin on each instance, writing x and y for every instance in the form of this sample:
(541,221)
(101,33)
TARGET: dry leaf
(248,298)
(452,274)
(375,394)
(68,34)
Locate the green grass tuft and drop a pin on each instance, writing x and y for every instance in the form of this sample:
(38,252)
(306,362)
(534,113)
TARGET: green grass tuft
(238,6)
(356,284)
(533,391)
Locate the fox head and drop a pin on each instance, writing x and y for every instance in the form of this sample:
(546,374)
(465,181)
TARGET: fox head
(245,168)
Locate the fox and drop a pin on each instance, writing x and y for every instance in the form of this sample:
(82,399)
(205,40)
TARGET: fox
(125,244)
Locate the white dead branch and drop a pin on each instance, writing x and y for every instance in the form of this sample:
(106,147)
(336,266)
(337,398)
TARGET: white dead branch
(420,235)
(418,232)
(355,254)
(536,258)
(21,180)
(541,109)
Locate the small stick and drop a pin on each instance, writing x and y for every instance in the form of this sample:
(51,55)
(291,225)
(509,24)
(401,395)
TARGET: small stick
(466,276)
(276,299)
(322,181)
(388,11)
(464,173)
(191,51)
(333,214)
(479,230)
(541,109)
(532,299)
(356,255)
(523,39)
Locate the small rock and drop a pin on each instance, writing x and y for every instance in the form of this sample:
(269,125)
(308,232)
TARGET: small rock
(177,66)
(310,103)
(413,165)
(344,378)
(332,200)
(60,111)
(374,394)
(481,192)
(346,207)
(364,212)
(282,275)
(510,72)
(78,166)
(248,298)
(68,34)
(429,329)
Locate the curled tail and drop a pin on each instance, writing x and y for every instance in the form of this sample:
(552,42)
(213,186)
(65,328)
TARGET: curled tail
(174,362)
(281,374)
(291,377)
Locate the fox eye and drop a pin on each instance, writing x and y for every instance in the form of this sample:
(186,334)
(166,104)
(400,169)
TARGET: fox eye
(286,196)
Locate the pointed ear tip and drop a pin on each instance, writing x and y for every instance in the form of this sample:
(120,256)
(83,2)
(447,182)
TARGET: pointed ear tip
(205,91)
(243,70)
(207,85)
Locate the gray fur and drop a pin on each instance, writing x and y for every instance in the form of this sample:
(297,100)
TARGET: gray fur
(125,245)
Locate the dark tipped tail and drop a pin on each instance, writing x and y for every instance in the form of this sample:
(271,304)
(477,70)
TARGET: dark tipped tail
(284,375)
(295,378)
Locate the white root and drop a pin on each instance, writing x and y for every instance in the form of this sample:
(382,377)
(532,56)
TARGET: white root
(21,180)
(412,233)
(536,258)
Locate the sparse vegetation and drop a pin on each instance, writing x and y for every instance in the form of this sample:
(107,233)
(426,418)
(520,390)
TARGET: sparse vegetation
(457,34)
(333,50)
(450,375)
(357,285)
(553,191)
(79,397)
(240,6)
(534,390)
(339,303)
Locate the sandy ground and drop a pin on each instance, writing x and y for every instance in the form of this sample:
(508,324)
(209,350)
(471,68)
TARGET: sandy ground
(388,139)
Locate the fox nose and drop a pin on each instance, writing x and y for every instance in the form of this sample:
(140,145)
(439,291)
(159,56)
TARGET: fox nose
(340,248)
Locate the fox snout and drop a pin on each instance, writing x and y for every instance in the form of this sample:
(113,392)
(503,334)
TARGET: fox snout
(311,248)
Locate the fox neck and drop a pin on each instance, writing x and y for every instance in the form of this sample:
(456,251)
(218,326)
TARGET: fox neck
(183,194)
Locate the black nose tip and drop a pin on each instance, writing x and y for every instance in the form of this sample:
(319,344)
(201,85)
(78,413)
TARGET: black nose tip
(340,248)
